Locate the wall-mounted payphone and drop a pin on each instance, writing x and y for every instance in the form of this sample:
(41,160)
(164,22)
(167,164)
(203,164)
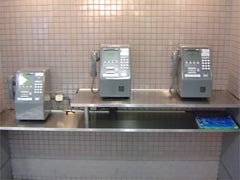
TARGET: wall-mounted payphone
(31,94)
(115,71)
(192,69)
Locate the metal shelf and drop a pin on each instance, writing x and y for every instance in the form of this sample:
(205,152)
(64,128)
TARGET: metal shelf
(179,118)
(155,99)
(120,121)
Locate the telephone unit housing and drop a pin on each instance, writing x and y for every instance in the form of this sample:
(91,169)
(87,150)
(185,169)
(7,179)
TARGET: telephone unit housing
(32,100)
(194,77)
(115,71)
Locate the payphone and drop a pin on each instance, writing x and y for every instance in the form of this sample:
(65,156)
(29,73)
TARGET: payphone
(192,71)
(115,71)
(32,98)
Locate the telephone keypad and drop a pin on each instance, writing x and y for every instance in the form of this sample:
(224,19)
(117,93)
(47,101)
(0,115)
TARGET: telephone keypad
(38,86)
(116,68)
(206,65)
(124,61)
(124,65)
(193,68)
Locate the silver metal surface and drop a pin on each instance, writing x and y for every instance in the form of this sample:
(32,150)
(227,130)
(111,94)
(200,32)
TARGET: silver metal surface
(55,121)
(155,99)
(128,121)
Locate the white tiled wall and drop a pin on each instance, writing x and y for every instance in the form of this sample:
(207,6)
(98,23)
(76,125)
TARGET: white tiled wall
(5,163)
(234,68)
(1,85)
(89,155)
(61,34)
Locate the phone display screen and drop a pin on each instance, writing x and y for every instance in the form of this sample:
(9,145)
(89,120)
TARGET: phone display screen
(192,55)
(26,79)
(110,55)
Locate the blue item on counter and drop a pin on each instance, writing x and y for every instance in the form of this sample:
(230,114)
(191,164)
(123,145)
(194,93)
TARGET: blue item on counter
(214,122)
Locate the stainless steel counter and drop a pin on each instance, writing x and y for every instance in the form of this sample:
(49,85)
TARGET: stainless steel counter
(153,99)
(177,119)
(55,121)
(119,121)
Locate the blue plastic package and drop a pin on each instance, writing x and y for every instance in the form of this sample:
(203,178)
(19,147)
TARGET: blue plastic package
(214,122)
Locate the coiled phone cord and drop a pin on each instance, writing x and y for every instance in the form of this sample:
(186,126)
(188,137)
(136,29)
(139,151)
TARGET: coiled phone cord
(173,88)
(92,86)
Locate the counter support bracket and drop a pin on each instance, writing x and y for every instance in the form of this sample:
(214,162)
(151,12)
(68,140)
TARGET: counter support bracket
(86,116)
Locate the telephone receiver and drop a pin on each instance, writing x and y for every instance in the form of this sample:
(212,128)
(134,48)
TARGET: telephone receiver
(94,59)
(11,86)
(175,59)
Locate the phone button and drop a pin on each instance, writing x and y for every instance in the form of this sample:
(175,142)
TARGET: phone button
(37,98)
(110,75)
(123,74)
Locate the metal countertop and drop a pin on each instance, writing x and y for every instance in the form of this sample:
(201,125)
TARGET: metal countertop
(124,121)
(55,121)
(155,99)
(130,121)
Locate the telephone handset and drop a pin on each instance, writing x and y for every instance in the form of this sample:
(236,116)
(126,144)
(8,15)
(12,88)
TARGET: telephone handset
(175,59)
(114,75)
(174,73)
(94,59)
(192,72)
(11,86)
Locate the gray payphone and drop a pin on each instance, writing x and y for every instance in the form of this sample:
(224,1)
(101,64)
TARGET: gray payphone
(115,71)
(192,69)
(31,94)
